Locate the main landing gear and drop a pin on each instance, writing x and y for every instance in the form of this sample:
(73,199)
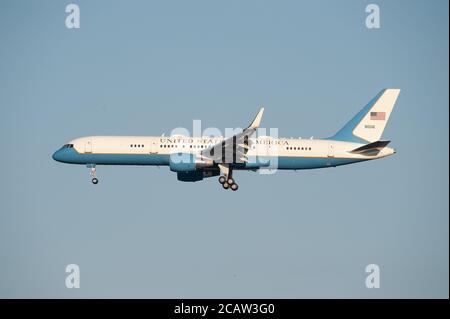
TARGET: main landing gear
(226,180)
(93,174)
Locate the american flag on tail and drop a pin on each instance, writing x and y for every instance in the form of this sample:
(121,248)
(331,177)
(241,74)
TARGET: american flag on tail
(378,116)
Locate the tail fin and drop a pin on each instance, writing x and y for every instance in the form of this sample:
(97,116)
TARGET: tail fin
(369,123)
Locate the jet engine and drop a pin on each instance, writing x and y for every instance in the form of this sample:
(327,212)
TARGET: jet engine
(187,162)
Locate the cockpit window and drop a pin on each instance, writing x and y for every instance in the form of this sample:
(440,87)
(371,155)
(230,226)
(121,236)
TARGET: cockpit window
(68,146)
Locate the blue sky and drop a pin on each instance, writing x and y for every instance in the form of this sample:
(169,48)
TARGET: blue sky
(146,67)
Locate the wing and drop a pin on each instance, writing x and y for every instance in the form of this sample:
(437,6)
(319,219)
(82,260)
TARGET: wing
(233,149)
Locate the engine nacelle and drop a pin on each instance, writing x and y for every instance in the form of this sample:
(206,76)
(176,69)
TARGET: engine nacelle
(197,175)
(190,176)
(186,162)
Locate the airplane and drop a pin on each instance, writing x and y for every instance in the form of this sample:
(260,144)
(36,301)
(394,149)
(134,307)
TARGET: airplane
(196,158)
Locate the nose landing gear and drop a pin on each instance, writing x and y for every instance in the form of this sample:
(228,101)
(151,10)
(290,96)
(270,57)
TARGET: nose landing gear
(93,174)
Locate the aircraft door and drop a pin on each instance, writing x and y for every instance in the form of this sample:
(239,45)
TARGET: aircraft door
(330,150)
(88,146)
(153,147)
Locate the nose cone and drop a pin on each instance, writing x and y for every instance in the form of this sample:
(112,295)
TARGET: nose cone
(66,154)
(58,156)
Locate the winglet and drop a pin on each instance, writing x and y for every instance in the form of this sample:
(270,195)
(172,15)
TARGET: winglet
(257,120)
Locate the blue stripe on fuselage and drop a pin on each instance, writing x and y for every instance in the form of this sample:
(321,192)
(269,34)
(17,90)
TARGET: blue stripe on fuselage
(71,156)
(285,162)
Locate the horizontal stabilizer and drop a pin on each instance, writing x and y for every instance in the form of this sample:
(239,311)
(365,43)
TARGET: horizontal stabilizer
(374,146)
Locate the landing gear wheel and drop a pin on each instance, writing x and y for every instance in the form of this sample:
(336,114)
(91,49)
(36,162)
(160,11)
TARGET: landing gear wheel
(222,179)
(225,185)
(234,187)
(230,181)
(93,174)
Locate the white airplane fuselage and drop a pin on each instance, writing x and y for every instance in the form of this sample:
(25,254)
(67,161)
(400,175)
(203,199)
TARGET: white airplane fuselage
(196,158)
(156,150)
